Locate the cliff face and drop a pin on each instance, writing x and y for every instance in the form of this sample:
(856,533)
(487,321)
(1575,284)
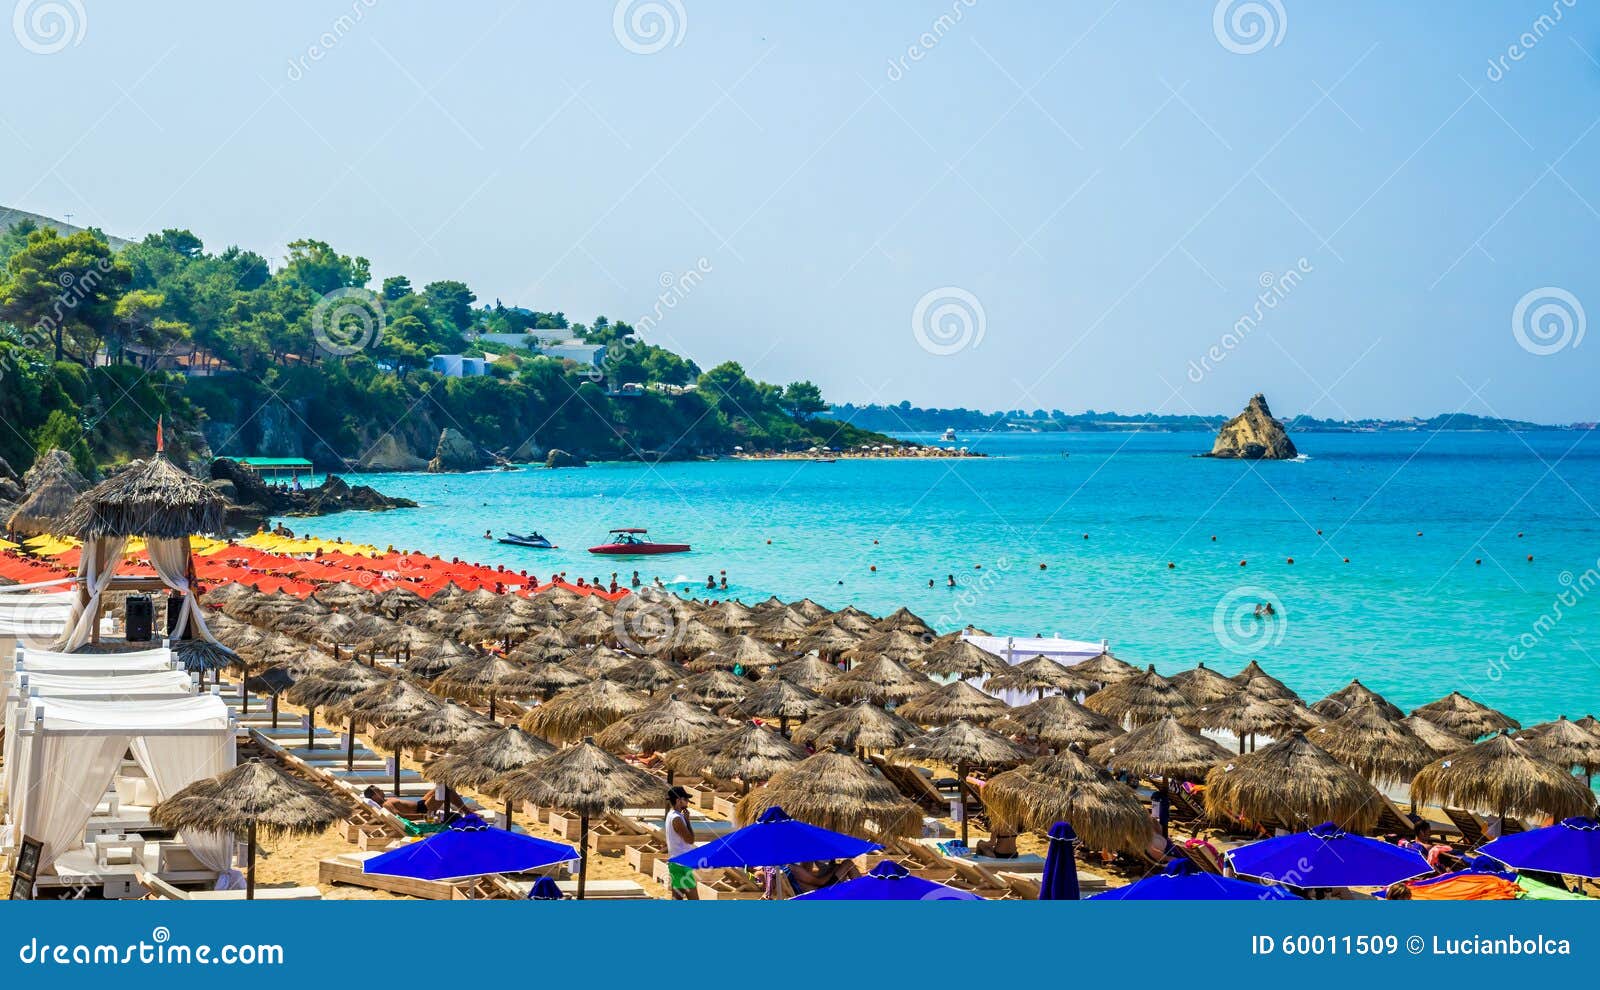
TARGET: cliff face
(1254,435)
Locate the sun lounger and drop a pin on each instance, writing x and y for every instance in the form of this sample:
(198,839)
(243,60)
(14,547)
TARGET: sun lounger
(913,786)
(160,889)
(346,868)
(616,833)
(1472,828)
(604,890)
(727,885)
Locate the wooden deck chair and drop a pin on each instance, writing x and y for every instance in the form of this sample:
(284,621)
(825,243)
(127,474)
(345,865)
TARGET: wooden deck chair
(1182,806)
(913,786)
(1204,856)
(1471,827)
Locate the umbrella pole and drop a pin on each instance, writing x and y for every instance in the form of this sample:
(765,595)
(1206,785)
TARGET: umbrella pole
(311,728)
(244,689)
(250,863)
(1165,815)
(509,822)
(397,771)
(491,706)
(274,711)
(583,853)
(961,797)
(350,746)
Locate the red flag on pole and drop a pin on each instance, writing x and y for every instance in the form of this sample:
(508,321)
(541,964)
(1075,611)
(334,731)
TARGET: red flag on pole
(160,446)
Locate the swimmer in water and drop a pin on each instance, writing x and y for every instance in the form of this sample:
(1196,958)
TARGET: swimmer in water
(950,581)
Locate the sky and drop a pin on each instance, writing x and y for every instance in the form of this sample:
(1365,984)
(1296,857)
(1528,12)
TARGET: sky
(1360,209)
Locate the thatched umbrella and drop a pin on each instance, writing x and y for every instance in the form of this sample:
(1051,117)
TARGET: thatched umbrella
(781,628)
(437,659)
(729,616)
(486,678)
(583,711)
(750,753)
(549,643)
(326,687)
(666,725)
(1162,751)
(1144,697)
(907,621)
(1041,674)
(1203,686)
(1457,713)
(548,678)
(837,792)
(956,700)
(446,595)
(714,688)
(776,698)
(477,765)
(1565,743)
(1264,683)
(583,778)
(879,680)
(391,702)
(808,672)
(596,661)
(896,644)
(253,798)
(52,461)
(1354,695)
(749,652)
(398,601)
(1294,783)
(1441,741)
(344,594)
(963,745)
(812,611)
(446,726)
(149,498)
(1247,714)
(959,658)
(1503,776)
(1104,669)
(1063,788)
(828,639)
(1057,721)
(860,726)
(648,673)
(1380,748)
(45,507)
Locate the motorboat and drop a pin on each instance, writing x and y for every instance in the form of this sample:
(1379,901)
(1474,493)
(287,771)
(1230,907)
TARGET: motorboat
(629,542)
(533,541)
(949,435)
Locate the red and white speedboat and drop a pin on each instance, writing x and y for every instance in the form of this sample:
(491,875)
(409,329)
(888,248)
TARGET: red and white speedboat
(627,542)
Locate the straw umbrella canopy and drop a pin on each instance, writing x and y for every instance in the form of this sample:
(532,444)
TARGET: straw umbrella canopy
(1058,722)
(1247,714)
(776,698)
(53,461)
(963,746)
(692,637)
(1457,713)
(446,595)
(714,687)
(254,798)
(391,702)
(583,711)
(344,594)
(1104,669)
(648,673)
(811,610)
(750,753)
(437,659)
(490,758)
(152,498)
(1041,674)
(861,726)
(852,619)
(960,659)
(729,616)
(781,628)
(1203,685)
(750,652)
(1163,750)
(953,701)
(666,725)
(828,638)
(879,680)
(1144,697)
(1564,743)
(548,643)
(1441,741)
(405,640)
(582,778)
(904,619)
(1106,814)
(397,601)
(1265,684)
(445,726)
(596,661)
(896,644)
(548,678)
(487,678)
(1293,783)
(328,686)
(1503,776)
(836,792)
(1354,695)
(1380,748)
(45,507)
(808,672)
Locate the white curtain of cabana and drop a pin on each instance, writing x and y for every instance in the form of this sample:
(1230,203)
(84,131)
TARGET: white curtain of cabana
(171,559)
(101,558)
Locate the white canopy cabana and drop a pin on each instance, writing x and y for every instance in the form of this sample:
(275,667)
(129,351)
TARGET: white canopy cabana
(154,684)
(1016,649)
(33,619)
(67,751)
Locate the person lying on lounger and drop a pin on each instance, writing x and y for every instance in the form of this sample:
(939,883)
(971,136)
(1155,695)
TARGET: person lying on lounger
(806,877)
(426,805)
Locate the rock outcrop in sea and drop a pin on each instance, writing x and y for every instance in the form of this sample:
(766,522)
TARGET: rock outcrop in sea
(558,458)
(388,454)
(455,453)
(251,501)
(1254,435)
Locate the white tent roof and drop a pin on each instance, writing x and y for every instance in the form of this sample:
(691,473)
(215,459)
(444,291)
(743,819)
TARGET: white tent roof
(203,713)
(74,685)
(136,661)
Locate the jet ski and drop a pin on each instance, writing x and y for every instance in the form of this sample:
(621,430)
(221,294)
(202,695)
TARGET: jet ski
(531,540)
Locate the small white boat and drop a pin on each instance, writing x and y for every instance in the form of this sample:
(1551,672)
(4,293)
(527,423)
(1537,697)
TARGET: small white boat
(949,435)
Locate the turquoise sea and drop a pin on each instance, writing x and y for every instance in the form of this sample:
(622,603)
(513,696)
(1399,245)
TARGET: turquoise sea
(1413,616)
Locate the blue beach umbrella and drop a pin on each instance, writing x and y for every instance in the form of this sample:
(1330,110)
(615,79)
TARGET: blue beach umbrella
(1060,880)
(1327,856)
(545,889)
(461,853)
(1570,846)
(889,881)
(774,839)
(1182,882)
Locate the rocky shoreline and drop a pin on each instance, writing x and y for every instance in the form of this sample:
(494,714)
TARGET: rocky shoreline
(252,502)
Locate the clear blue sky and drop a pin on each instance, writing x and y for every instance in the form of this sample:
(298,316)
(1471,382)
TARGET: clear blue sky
(1109,181)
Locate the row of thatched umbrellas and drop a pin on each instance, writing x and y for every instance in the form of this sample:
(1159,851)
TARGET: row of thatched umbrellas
(657,697)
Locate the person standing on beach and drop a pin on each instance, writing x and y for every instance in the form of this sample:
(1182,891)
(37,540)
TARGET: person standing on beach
(680,839)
